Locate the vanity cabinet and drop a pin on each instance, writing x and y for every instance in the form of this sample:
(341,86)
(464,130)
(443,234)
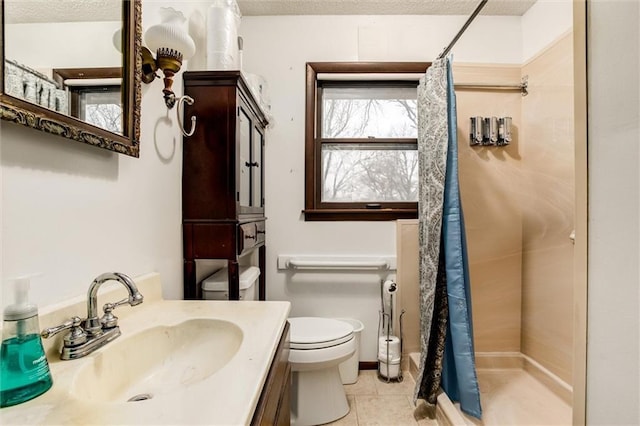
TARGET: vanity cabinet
(222,177)
(273,406)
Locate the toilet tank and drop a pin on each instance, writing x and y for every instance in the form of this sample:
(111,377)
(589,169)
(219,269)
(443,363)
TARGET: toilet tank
(216,286)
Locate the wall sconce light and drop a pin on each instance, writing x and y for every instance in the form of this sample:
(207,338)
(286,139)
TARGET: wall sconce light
(171,44)
(117,40)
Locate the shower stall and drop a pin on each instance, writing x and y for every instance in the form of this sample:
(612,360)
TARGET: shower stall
(518,202)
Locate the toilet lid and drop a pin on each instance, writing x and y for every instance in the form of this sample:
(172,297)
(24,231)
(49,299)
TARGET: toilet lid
(317,333)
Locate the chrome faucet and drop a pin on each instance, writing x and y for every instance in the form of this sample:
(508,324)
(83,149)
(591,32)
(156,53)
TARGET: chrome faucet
(92,325)
(85,336)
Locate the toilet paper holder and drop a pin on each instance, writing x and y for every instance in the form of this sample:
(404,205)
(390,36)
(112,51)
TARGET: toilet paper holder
(389,346)
(390,349)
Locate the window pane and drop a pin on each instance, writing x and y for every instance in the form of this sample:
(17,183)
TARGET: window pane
(102,107)
(363,112)
(369,173)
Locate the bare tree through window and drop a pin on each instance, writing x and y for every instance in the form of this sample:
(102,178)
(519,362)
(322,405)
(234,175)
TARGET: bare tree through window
(102,107)
(369,172)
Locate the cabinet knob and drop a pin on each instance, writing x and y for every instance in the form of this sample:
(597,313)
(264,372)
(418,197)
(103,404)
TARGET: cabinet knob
(254,164)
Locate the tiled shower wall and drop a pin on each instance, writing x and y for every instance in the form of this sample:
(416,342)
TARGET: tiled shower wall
(518,205)
(490,185)
(548,209)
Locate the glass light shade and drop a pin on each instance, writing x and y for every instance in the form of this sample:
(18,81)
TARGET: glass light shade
(117,40)
(170,35)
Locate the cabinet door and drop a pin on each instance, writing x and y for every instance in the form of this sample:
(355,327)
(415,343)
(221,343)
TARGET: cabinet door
(257,173)
(245,162)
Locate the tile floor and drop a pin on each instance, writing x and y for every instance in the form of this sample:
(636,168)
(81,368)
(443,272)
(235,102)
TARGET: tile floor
(509,397)
(374,402)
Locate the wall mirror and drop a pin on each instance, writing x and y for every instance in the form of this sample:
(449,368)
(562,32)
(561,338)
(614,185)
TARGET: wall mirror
(72,68)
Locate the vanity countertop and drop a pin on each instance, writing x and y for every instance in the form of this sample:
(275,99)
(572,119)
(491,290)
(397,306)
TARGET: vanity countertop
(227,397)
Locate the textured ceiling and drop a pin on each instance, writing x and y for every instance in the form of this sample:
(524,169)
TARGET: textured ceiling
(25,11)
(381,7)
(28,11)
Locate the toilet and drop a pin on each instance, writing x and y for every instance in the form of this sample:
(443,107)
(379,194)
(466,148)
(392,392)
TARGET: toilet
(318,346)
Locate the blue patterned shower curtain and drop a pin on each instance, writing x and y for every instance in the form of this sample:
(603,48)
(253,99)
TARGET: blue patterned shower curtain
(447,357)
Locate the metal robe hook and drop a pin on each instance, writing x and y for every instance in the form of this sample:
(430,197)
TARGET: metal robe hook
(189,100)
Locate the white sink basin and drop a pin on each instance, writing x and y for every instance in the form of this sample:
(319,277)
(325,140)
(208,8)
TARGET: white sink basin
(157,360)
(203,362)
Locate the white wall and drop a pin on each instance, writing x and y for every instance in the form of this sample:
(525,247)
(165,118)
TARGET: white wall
(543,24)
(278,48)
(72,211)
(613,355)
(63,45)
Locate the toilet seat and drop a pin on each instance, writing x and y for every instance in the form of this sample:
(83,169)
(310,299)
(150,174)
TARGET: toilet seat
(318,333)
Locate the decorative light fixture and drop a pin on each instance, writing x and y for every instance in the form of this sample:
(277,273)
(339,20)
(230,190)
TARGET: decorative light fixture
(171,44)
(117,40)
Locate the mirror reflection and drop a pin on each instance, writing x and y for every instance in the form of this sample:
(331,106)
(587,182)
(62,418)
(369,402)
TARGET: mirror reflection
(67,56)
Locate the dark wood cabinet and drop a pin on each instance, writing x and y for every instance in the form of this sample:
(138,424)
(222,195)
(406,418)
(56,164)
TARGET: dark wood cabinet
(223,177)
(273,406)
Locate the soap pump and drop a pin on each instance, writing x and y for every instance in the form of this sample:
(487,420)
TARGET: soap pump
(24,371)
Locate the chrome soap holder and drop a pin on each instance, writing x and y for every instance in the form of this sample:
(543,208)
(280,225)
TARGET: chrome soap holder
(490,131)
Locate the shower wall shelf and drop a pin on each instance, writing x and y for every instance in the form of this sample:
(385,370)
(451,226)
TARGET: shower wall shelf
(379,263)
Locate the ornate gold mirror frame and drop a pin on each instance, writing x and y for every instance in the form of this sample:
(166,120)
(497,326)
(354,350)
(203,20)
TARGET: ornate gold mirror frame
(40,118)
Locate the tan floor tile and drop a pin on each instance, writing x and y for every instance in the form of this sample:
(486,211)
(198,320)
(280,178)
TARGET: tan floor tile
(350,419)
(384,410)
(405,387)
(365,384)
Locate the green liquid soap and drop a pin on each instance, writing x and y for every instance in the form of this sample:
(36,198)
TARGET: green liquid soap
(24,371)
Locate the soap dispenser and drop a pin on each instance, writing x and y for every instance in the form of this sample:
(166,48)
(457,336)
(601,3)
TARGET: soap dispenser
(24,371)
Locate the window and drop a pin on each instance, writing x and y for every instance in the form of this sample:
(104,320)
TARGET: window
(361,141)
(98,105)
(95,95)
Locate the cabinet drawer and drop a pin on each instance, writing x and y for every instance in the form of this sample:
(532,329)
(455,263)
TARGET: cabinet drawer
(210,241)
(250,235)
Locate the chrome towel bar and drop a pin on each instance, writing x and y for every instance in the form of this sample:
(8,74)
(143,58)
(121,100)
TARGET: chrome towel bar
(383,263)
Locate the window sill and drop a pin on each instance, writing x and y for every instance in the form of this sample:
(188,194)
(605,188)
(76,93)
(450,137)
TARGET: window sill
(362,215)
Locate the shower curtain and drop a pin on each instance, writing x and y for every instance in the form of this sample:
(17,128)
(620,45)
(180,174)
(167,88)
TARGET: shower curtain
(447,354)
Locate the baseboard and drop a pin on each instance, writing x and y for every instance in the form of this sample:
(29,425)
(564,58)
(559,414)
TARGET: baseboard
(499,360)
(517,360)
(373,365)
(484,360)
(368,365)
(554,383)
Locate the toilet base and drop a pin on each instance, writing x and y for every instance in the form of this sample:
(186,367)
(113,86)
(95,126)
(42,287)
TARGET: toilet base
(317,397)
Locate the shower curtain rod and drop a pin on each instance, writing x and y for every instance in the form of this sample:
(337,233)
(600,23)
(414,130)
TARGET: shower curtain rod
(522,87)
(463,29)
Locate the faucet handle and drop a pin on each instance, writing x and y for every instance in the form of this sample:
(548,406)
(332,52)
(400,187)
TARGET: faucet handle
(75,337)
(109,320)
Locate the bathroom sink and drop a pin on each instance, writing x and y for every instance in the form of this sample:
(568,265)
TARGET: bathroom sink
(156,361)
(183,362)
